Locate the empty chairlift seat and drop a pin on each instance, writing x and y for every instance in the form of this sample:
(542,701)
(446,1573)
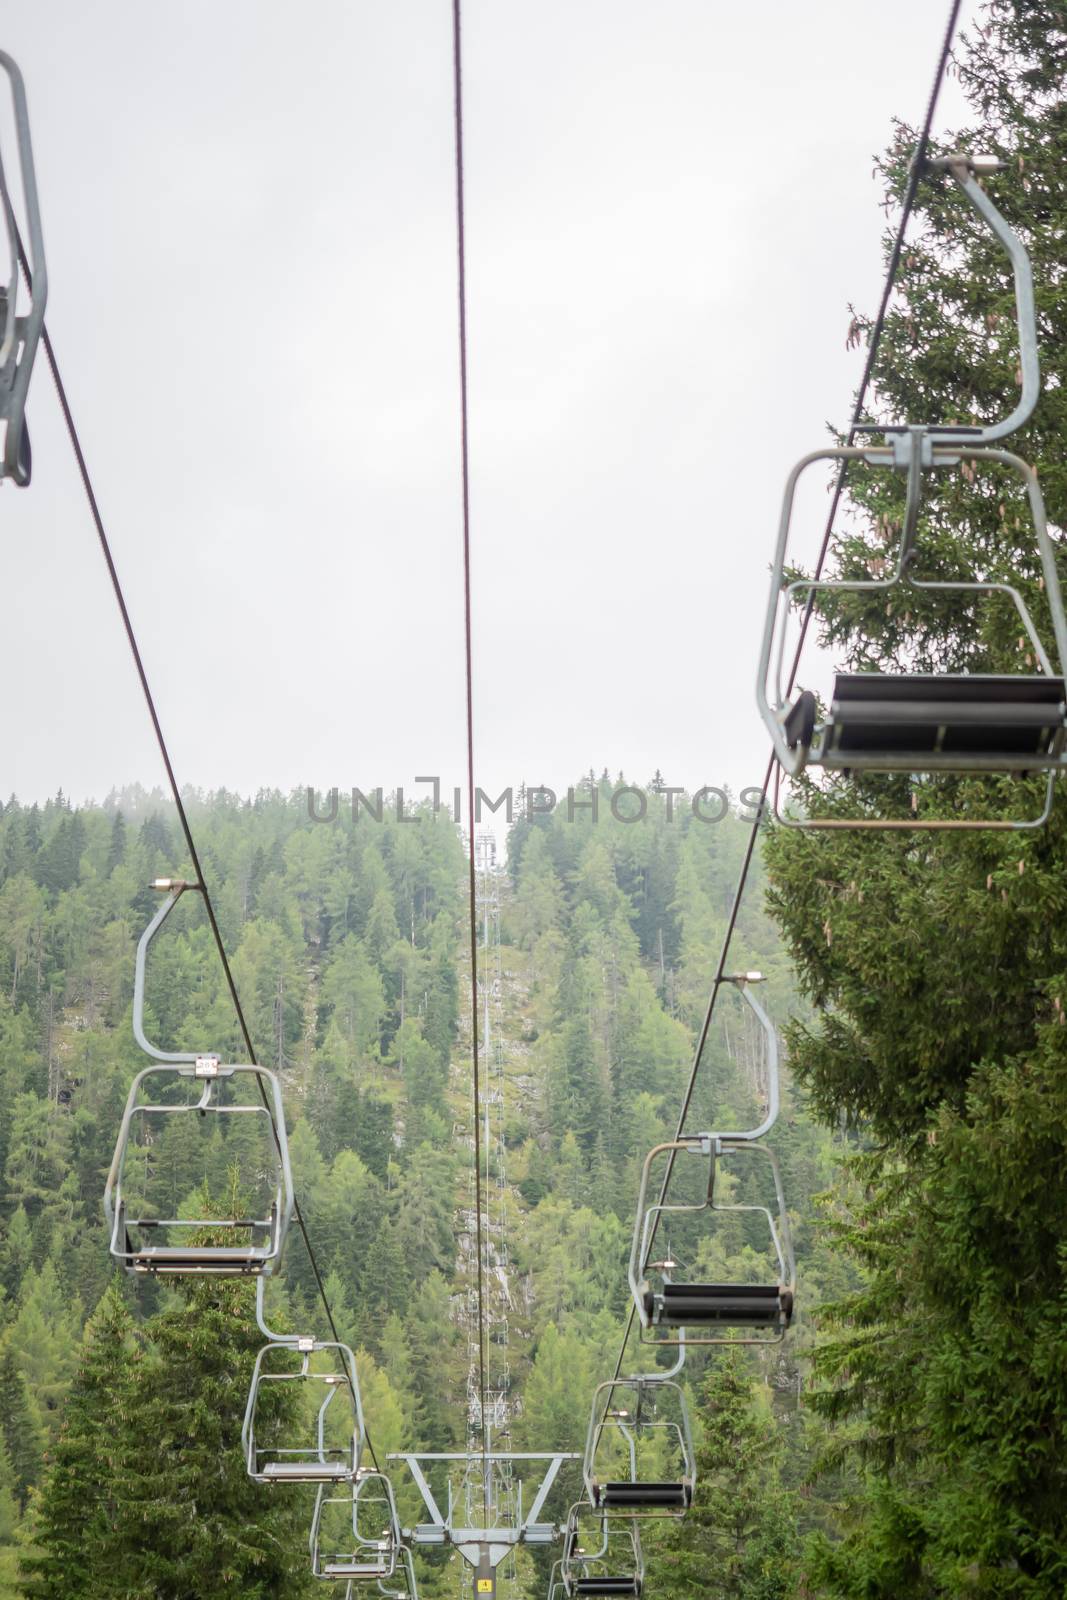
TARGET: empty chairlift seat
(928,722)
(308,1469)
(621,1494)
(636,1422)
(717,1313)
(738,1305)
(910,721)
(185,1105)
(348,1539)
(316,1367)
(611,1563)
(380,1564)
(723,1313)
(152,1244)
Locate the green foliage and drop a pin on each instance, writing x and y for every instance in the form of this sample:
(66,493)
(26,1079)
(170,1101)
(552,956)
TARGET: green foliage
(347,943)
(565,1365)
(189,1519)
(936,961)
(43,1339)
(146,1491)
(22,1435)
(739,1541)
(74,1519)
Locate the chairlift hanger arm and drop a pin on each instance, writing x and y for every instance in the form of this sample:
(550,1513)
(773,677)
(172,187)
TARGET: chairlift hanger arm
(743,983)
(21,334)
(293,1341)
(174,888)
(964,170)
(410,1593)
(661,1374)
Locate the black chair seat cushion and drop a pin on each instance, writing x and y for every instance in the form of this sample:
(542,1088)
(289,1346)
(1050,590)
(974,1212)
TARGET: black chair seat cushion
(593,1586)
(963,713)
(737,1304)
(625,1493)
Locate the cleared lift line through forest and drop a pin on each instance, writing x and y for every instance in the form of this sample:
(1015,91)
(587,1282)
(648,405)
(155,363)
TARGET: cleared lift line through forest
(472,871)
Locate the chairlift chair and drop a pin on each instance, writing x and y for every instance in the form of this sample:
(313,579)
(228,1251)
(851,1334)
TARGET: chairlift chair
(614,1565)
(262,1236)
(765,1309)
(923,723)
(612,1421)
(19,331)
(323,1460)
(364,1557)
(131,1234)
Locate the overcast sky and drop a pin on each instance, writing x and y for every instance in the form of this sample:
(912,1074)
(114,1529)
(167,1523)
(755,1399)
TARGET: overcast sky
(249,220)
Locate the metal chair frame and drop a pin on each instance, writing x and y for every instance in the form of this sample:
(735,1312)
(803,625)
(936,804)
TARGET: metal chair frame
(712,1147)
(354,1565)
(610,1529)
(266,1234)
(603,1415)
(915,449)
(20,332)
(317,1463)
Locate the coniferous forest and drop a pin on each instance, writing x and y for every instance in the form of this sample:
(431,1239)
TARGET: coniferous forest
(347,950)
(907,1440)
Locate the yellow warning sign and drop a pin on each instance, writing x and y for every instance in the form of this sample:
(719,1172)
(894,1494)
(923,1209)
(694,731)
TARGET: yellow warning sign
(485,1585)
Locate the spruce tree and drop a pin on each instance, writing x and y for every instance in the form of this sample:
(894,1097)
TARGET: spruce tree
(936,961)
(10,1588)
(372,1136)
(433,1343)
(155,837)
(738,1541)
(191,1524)
(19,1428)
(399,1366)
(75,1535)
(116,853)
(32,835)
(9,1505)
(44,1339)
(16,1252)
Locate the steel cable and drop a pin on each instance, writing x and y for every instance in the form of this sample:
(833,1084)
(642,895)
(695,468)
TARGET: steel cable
(461,254)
